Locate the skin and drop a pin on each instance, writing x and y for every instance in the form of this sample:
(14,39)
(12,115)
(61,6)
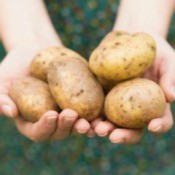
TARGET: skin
(162,71)
(21,46)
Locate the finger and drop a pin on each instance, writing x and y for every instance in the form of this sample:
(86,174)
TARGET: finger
(66,121)
(168,86)
(162,124)
(91,133)
(125,136)
(7,106)
(95,122)
(104,128)
(81,126)
(40,130)
(167,80)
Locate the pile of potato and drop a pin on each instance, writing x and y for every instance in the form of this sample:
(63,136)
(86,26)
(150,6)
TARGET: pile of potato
(61,78)
(118,61)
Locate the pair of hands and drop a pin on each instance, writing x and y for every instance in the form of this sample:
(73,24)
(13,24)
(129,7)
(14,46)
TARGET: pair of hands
(56,126)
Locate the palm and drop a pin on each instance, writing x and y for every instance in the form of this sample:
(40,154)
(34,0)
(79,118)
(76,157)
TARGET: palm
(16,64)
(162,71)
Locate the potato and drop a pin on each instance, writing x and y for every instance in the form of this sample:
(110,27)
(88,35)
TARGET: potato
(33,98)
(106,84)
(74,86)
(133,103)
(112,37)
(41,61)
(124,57)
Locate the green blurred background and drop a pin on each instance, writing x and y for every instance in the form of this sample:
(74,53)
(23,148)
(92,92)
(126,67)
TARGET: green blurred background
(81,25)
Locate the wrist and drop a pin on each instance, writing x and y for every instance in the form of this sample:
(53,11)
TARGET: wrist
(33,43)
(144,16)
(133,27)
(20,26)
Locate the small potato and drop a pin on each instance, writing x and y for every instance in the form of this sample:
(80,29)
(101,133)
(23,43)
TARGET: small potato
(41,61)
(33,98)
(106,84)
(124,57)
(133,103)
(74,86)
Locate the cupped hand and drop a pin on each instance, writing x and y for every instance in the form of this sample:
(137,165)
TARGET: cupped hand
(162,72)
(52,125)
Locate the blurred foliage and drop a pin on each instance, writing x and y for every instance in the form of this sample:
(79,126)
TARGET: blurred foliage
(81,25)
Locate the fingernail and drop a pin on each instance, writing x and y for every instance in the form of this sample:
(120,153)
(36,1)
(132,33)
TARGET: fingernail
(50,120)
(91,135)
(68,121)
(82,131)
(103,134)
(120,140)
(157,129)
(6,110)
(173,91)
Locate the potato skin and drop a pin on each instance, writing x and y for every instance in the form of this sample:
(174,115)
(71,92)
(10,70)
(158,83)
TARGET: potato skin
(113,37)
(74,86)
(133,103)
(41,61)
(124,57)
(33,98)
(106,84)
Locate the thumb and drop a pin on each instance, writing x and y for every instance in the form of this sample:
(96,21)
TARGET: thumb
(167,83)
(7,106)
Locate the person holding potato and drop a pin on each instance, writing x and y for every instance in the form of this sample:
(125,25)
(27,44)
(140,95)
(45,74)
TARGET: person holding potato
(21,34)
(22,37)
(153,18)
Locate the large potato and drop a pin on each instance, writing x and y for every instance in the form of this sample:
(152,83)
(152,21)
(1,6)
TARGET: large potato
(133,103)
(124,57)
(113,37)
(74,86)
(41,61)
(33,98)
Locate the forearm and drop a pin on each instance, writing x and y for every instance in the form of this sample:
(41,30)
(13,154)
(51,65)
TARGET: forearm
(151,16)
(26,23)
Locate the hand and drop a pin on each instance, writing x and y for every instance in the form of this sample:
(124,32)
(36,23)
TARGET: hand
(51,125)
(163,73)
